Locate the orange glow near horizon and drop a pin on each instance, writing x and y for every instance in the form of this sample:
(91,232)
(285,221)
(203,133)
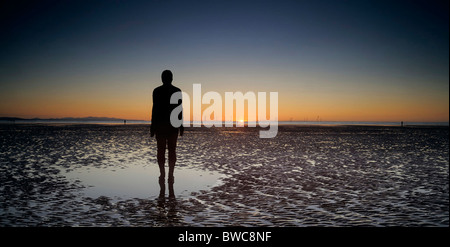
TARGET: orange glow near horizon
(302,100)
(289,109)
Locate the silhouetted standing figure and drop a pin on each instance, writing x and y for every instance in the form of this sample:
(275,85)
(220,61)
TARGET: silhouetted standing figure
(166,134)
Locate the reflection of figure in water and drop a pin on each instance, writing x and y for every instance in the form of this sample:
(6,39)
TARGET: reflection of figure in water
(167,208)
(166,134)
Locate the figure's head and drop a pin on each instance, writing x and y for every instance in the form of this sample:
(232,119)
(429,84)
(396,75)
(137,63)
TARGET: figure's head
(167,77)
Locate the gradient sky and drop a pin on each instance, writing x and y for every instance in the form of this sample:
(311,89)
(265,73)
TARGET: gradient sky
(339,60)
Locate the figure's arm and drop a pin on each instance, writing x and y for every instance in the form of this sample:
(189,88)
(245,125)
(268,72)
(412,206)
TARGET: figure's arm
(181,130)
(180,116)
(153,125)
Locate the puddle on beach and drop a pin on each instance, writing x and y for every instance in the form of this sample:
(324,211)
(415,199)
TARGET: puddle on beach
(140,181)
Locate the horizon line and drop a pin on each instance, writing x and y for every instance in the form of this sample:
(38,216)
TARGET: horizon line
(92,118)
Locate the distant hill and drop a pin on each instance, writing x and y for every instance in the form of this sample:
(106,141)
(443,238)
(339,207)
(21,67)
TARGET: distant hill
(10,118)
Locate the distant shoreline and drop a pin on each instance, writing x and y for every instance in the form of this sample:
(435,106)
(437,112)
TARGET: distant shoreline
(281,123)
(107,120)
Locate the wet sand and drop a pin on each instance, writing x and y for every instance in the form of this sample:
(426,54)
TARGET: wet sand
(52,175)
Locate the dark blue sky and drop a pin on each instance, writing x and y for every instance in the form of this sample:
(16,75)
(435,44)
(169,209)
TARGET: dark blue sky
(326,53)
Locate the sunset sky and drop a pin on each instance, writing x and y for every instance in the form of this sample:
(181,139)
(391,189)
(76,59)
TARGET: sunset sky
(339,60)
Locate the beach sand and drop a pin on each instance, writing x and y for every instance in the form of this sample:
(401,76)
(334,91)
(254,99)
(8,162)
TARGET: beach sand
(106,175)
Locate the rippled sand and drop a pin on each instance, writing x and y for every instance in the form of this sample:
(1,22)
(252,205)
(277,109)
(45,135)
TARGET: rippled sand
(306,176)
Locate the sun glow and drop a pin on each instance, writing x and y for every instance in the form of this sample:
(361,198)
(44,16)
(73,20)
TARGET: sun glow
(240,123)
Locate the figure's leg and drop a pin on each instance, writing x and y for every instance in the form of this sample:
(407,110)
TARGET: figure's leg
(161,153)
(172,144)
